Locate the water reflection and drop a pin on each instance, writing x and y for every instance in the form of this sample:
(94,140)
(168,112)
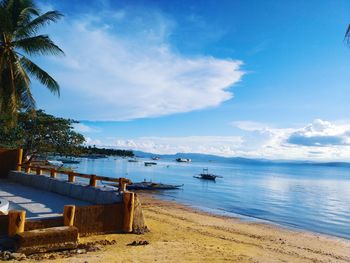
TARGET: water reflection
(315,198)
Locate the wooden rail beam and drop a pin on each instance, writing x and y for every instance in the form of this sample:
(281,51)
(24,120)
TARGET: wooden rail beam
(71,175)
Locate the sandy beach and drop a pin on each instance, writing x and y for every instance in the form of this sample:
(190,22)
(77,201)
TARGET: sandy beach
(181,234)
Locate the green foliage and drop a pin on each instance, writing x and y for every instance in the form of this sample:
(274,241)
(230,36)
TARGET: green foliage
(103,151)
(42,133)
(20,21)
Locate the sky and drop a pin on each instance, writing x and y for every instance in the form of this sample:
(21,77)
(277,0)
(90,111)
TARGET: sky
(258,79)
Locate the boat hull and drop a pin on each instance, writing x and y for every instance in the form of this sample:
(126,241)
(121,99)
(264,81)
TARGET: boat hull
(152,186)
(205,178)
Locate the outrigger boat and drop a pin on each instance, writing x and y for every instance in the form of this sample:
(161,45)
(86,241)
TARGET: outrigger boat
(149,186)
(150,163)
(68,161)
(183,160)
(152,186)
(205,175)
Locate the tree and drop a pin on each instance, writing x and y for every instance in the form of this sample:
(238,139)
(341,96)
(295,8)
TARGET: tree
(20,21)
(41,133)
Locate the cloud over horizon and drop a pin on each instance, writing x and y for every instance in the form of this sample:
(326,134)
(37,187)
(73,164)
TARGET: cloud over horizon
(319,140)
(217,145)
(321,133)
(121,66)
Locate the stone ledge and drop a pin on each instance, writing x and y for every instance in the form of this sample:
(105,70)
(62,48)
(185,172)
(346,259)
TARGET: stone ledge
(47,239)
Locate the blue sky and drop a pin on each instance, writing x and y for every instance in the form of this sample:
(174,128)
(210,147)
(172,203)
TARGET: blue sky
(234,78)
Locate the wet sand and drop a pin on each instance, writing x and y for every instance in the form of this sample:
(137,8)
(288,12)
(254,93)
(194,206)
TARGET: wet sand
(181,234)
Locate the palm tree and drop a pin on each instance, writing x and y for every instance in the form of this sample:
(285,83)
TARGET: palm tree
(20,21)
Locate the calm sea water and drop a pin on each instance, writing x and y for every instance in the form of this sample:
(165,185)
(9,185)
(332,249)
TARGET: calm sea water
(315,198)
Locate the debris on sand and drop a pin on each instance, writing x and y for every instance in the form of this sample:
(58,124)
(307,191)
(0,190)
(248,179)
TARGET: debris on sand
(138,243)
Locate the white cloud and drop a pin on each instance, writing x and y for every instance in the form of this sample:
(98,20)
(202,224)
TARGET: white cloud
(250,125)
(320,140)
(121,66)
(83,128)
(254,140)
(217,145)
(321,133)
(90,141)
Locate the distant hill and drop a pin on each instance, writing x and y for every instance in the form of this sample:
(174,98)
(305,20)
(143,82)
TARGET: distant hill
(198,157)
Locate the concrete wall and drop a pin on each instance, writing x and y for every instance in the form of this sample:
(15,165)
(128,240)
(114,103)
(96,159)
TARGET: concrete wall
(95,195)
(8,161)
(94,219)
(3,225)
(114,212)
(98,219)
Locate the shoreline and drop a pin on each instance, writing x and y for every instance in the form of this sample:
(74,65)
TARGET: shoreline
(242,218)
(234,216)
(179,233)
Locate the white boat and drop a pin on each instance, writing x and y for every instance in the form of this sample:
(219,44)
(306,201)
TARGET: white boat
(68,160)
(183,160)
(55,162)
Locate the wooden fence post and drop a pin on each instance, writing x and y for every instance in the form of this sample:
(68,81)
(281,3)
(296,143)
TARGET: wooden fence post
(93,181)
(128,211)
(68,215)
(71,177)
(27,169)
(16,221)
(122,184)
(39,171)
(53,174)
(19,161)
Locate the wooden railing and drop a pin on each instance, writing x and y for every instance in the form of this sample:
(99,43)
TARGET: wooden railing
(72,175)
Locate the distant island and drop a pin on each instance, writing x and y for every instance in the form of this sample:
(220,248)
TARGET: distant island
(93,150)
(199,157)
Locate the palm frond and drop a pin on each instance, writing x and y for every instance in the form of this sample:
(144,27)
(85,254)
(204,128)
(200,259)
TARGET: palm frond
(41,44)
(15,8)
(26,15)
(20,73)
(347,36)
(27,100)
(5,22)
(41,75)
(32,27)
(4,3)
(20,20)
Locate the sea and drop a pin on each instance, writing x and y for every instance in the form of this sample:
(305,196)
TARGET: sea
(304,196)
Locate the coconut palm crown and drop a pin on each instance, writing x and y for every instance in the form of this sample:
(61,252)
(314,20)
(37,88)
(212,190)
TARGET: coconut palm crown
(20,21)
